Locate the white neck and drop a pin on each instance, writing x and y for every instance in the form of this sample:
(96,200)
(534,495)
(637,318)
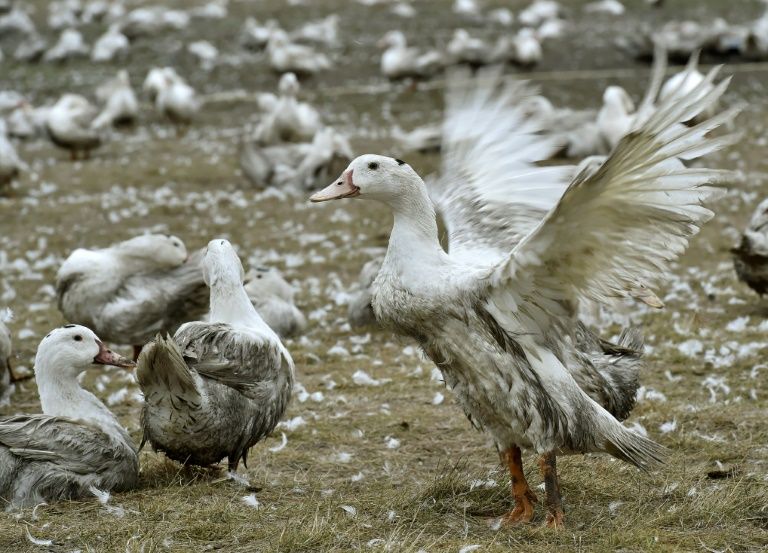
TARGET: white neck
(230,304)
(62,396)
(414,235)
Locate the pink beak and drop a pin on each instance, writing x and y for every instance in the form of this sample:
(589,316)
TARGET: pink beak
(343,188)
(109,357)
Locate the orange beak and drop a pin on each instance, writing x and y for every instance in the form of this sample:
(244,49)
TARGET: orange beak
(343,188)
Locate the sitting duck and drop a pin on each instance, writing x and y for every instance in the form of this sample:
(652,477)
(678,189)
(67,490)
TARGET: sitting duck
(70,125)
(132,290)
(215,388)
(76,444)
(497,310)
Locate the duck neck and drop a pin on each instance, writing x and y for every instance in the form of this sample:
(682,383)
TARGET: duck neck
(414,232)
(230,303)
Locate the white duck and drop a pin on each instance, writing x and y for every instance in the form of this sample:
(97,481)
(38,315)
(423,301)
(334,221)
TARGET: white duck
(496,312)
(256,36)
(421,139)
(120,105)
(69,125)
(463,48)
(288,120)
(110,46)
(77,444)
(576,129)
(538,12)
(527,47)
(272,297)
(206,53)
(750,257)
(177,100)
(132,290)
(69,45)
(216,388)
(323,31)
(399,61)
(285,56)
(10,163)
(156,79)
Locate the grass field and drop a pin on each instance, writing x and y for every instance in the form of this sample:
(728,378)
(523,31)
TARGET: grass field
(395,466)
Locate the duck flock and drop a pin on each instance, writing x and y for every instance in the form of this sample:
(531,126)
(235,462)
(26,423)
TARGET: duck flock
(550,215)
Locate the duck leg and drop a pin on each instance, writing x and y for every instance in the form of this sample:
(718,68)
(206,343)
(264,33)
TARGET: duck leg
(554,501)
(523,494)
(136,352)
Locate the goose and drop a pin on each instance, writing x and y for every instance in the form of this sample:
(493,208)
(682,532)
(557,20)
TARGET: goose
(177,100)
(6,350)
(359,309)
(497,311)
(323,31)
(69,45)
(121,107)
(69,125)
(110,46)
(288,120)
(538,12)
(153,20)
(272,297)
(215,388)
(132,290)
(156,79)
(463,48)
(205,53)
(421,139)
(31,49)
(682,83)
(527,47)
(76,444)
(577,130)
(11,165)
(255,36)
(285,56)
(750,257)
(26,121)
(399,61)
(294,167)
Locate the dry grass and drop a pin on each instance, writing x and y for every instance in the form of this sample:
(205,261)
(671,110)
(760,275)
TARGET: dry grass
(440,489)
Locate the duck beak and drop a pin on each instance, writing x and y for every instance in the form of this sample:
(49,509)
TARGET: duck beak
(109,357)
(342,188)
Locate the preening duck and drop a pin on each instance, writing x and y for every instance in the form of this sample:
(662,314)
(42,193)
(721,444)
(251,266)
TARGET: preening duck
(132,290)
(497,311)
(218,387)
(77,443)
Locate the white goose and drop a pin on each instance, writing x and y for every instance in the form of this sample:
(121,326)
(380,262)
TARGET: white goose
(272,297)
(496,312)
(120,105)
(77,444)
(69,124)
(464,48)
(110,46)
(132,290)
(218,387)
(288,120)
(285,56)
(177,100)
(750,257)
(399,61)
(682,83)
(69,45)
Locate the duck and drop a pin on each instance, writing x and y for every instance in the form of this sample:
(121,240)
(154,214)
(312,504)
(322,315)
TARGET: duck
(294,167)
(11,165)
(215,388)
(205,53)
(683,82)
(156,79)
(70,45)
(359,308)
(322,31)
(70,125)
(750,257)
(272,297)
(527,48)
(177,100)
(133,289)
(110,46)
(120,105)
(577,130)
(496,311)
(6,351)
(400,61)
(31,48)
(463,48)
(538,12)
(421,139)
(285,56)
(152,20)
(76,444)
(288,120)
(255,36)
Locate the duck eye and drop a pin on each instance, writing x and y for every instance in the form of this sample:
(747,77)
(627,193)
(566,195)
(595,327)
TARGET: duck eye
(78,338)
(373,166)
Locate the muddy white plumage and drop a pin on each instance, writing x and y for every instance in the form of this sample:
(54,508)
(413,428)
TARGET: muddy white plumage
(215,388)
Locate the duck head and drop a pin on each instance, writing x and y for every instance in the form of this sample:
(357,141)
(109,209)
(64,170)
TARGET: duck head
(72,349)
(372,177)
(221,264)
(161,251)
(618,98)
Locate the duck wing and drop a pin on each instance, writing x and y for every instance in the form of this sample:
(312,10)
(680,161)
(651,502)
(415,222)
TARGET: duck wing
(616,230)
(243,359)
(70,446)
(491,192)
(151,303)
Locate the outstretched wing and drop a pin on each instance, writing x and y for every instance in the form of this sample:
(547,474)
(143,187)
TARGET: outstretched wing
(239,358)
(615,231)
(491,192)
(74,446)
